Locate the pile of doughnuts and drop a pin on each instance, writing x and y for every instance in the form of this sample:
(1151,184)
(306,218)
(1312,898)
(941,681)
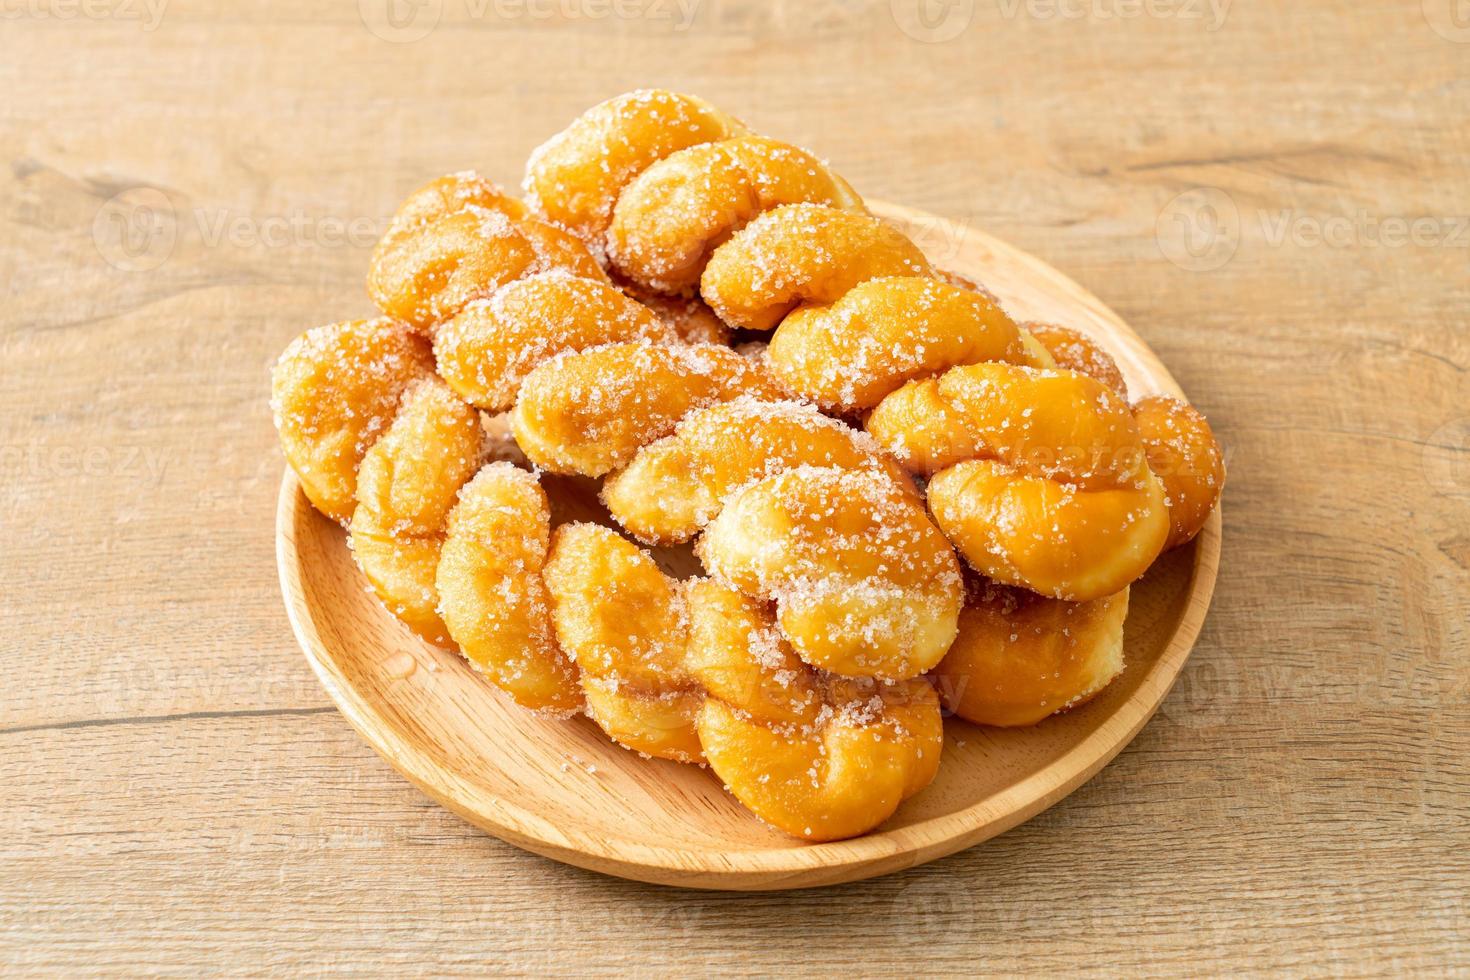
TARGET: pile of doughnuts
(905,502)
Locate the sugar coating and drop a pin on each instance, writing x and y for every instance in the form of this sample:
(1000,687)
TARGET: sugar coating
(1075,351)
(432,272)
(863,583)
(883,333)
(409,480)
(486,350)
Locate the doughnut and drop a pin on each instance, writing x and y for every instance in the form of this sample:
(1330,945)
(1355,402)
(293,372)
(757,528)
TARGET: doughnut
(1020,657)
(672,215)
(573,180)
(432,271)
(880,334)
(589,412)
(904,500)
(491,594)
(802,253)
(1075,351)
(818,756)
(486,350)
(408,482)
(1180,446)
(863,583)
(444,196)
(675,486)
(1037,474)
(334,391)
(1183,451)
(625,623)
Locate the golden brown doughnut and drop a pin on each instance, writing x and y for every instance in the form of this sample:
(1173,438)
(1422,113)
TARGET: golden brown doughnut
(486,350)
(818,756)
(574,179)
(880,334)
(695,671)
(432,272)
(1039,476)
(626,624)
(334,391)
(863,582)
(491,594)
(1180,446)
(1020,657)
(802,253)
(590,411)
(444,196)
(1183,451)
(675,486)
(408,482)
(670,218)
(1075,351)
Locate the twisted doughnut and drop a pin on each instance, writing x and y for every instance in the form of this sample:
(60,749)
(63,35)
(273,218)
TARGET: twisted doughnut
(626,624)
(819,756)
(1038,476)
(1020,657)
(486,350)
(655,181)
(334,391)
(802,253)
(434,261)
(588,412)
(675,486)
(863,583)
(1181,448)
(573,179)
(380,441)
(491,593)
(697,672)
(407,484)
(670,218)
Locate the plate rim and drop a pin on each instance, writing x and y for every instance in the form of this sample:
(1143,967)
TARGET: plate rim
(879,852)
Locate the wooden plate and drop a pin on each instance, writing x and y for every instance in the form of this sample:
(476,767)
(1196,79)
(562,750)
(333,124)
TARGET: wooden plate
(562,789)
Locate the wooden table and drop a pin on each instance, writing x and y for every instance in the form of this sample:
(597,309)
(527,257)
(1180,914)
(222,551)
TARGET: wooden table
(1274,193)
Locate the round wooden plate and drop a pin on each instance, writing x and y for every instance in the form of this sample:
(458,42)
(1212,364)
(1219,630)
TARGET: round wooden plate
(562,789)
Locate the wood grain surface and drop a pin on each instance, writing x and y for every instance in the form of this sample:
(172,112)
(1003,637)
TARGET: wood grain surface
(1273,193)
